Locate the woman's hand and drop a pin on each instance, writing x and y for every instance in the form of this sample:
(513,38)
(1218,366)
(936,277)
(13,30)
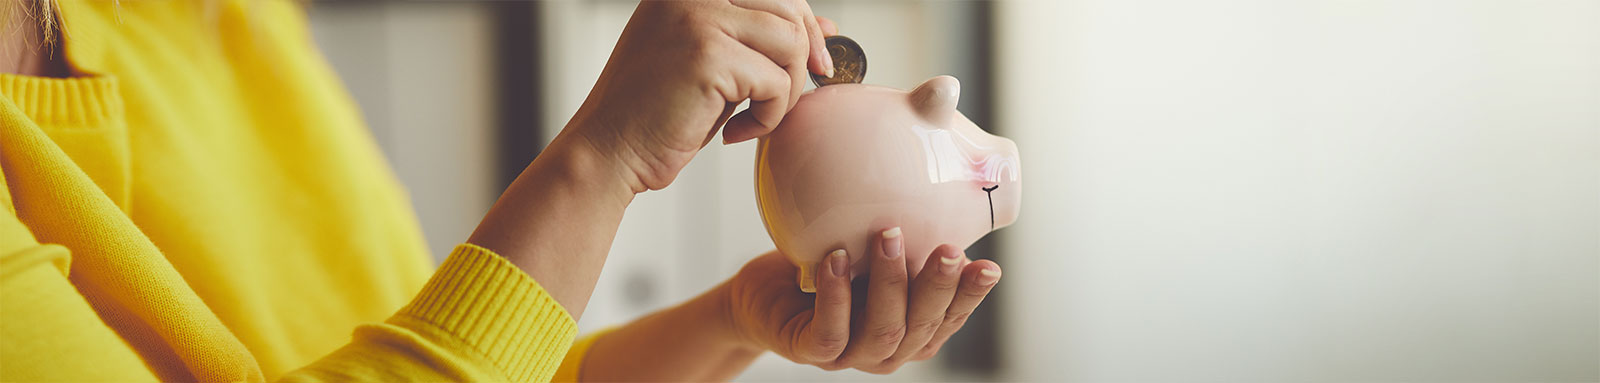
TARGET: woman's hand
(676,74)
(886,321)
(892,318)
(681,67)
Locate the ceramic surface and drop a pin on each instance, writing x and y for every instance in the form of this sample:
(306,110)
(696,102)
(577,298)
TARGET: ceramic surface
(851,160)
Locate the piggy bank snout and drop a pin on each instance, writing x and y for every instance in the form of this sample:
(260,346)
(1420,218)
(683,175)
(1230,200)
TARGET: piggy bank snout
(996,165)
(1007,197)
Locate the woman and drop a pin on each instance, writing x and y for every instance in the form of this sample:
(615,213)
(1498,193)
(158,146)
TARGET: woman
(192,197)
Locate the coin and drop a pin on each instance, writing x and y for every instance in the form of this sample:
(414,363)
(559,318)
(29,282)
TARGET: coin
(849,62)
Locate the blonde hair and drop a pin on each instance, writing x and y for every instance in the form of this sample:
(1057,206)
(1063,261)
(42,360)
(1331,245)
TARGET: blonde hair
(43,13)
(46,15)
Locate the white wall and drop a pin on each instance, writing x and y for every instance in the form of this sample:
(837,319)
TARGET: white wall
(422,74)
(1304,190)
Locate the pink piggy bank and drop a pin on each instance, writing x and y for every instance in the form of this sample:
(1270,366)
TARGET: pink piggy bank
(851,160)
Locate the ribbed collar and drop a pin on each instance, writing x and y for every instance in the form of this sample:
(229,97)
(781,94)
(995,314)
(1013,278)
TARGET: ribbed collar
(77,101)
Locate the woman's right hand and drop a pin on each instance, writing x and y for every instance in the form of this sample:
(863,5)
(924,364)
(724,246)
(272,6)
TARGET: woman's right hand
(675,75)
(681,67)
(893,318)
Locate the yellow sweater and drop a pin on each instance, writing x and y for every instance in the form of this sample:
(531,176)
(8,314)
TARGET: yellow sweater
(207,205)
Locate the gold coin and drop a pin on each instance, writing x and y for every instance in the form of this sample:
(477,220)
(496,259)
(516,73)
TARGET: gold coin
(849,62)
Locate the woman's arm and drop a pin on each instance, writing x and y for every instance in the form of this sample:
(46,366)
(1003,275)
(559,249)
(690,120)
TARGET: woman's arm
(557,219)
(674,78)
(691,342)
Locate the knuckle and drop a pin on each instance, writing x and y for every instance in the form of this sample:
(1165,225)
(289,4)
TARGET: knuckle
(671,17)
(974,292)
(828,347)
(835,300)
(698,25)
(792,29)
(888,333)
(926,353)
(703,47)
(945,283)
(798,36)
(689,19)
(798,87)
(925,326)
(892,279)
(956,319)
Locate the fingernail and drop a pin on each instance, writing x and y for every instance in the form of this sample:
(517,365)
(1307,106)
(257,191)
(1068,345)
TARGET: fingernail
(988,277)
(839,262)
(893,245)
(827,60)
(951,260)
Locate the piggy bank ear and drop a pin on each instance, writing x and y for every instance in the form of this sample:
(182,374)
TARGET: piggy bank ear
(935,100)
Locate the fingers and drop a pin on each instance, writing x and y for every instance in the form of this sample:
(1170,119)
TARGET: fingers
(783,42)
(791,36)
(931,295)
(825,338)
(819,61)
(767,87)
(885,317)
(727,112)
(750,123)
(798,12)
(828,29)
(780,39)
(977,279)
(746,126)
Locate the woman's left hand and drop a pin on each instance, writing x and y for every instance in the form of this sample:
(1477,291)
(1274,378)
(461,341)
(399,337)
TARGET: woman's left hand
(896,316)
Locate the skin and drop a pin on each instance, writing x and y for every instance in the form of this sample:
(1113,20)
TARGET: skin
(675,77)
(22,47)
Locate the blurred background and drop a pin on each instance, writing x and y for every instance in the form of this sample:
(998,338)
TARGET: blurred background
(1231,190)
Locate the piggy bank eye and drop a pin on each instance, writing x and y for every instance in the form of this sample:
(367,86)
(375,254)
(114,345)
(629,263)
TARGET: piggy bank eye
(990,191)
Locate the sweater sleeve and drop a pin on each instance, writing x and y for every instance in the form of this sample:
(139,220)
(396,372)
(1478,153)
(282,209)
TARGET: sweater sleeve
(479,319)
(49,332)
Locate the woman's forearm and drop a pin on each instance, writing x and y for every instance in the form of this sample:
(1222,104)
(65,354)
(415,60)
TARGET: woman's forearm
(689,342)
(557,219)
